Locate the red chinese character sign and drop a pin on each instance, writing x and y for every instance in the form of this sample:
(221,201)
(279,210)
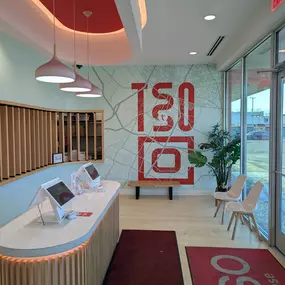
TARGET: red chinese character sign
(275,4)
(163,155)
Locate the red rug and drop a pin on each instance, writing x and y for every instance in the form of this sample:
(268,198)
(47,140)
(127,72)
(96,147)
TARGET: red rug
(145,258)
(232,266)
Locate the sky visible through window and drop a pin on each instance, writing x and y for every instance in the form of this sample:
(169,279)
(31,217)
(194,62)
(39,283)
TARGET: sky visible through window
(261,102)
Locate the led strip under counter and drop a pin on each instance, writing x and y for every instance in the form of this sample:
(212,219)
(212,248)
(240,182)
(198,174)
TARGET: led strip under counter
(80,258)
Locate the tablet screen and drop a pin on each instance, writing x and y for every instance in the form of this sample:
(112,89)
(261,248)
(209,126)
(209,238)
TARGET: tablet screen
(92,171)
(60,193)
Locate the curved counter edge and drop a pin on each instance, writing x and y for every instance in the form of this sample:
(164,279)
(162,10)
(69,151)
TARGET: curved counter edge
(66,247)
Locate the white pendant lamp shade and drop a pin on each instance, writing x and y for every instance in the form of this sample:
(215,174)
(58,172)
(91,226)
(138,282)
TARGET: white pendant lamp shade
(93,93)
(54,71)
(78,85)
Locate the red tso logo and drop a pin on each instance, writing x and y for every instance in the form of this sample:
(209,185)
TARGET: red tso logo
(166,157)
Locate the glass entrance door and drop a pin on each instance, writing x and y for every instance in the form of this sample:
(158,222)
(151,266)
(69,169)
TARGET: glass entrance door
(280,171)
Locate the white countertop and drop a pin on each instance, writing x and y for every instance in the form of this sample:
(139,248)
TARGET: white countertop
(24,237)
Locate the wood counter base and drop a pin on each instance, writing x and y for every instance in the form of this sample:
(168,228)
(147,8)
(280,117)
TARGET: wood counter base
(84,265)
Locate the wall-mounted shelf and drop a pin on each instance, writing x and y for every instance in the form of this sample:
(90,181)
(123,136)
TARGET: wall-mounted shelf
(30,135)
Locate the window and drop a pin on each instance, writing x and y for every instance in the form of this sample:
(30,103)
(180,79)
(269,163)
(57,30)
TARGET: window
(281,45)
(234,81)
(257,126)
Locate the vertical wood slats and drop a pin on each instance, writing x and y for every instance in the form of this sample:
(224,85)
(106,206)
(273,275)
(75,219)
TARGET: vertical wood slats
(34,150)
(102,134)
(95,135)
(78,135)
(85,265)
(5,142)
(11,136)
(69,136)
(45,125)
(42,144)
(18,141)
(54,132)
(49,137)
(38,142)
(86,137)
(23,139)
(61,133)
(29,137)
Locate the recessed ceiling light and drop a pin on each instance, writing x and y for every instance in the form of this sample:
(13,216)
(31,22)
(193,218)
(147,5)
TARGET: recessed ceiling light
(193,52)
(210,17)
(282,50)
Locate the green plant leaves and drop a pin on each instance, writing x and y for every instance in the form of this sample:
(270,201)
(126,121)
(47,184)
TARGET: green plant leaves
(197,159)
(225,153)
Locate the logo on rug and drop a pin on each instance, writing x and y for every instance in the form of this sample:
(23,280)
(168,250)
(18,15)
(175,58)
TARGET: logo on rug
(238,275)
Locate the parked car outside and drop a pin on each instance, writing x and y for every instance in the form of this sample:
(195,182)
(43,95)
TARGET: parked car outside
(258,135)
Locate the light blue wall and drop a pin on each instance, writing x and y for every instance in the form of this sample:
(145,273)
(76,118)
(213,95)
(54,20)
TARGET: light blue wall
(16,196)
(18,63)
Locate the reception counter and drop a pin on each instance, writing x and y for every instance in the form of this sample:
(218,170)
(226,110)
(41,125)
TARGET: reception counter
(75,252)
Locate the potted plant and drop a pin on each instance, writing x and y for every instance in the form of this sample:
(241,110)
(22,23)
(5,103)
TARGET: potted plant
(225,153)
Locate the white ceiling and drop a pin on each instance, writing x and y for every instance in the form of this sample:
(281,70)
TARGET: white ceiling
(173,29)
(176,27)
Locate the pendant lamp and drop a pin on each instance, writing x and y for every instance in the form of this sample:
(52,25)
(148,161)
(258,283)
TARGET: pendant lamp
(95,91)
(54,71)
(80,84)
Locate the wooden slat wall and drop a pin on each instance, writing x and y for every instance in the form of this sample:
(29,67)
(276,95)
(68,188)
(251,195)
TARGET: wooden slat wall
(102,133)
(61,132)
(54,132)
(42,145)
(30,136)
(34,149)
(49,137)
(18,141)
(86,137)
(29,140)
(23,140)
(11,135)
(46,138)
(38,142)
(5,142)
(69,136)
(78,135)
(95,135)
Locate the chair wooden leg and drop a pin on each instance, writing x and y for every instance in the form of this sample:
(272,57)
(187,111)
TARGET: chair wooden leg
(234,232)
(242,220)
(223,215)
(231,221)
(256,227)
(249,223)
(218,207)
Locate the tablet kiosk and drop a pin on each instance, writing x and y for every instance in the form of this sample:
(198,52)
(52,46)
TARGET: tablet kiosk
(89,174)
(59,196)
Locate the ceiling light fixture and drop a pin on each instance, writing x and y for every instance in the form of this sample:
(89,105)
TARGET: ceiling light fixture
(54,71)
(95,91)
(80,84)
(193,52)
(210,17)
(282,50)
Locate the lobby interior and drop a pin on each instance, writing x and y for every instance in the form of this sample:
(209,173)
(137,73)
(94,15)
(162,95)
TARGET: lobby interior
(178,109)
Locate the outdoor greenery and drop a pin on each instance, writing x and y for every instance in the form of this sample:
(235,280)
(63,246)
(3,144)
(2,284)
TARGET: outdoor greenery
(223,152)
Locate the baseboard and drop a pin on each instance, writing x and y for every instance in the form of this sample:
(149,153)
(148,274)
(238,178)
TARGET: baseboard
(161,191)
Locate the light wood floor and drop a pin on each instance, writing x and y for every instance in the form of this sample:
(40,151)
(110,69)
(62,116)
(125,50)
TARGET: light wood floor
(192,219)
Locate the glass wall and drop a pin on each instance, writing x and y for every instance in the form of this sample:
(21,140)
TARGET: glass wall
(258,126)
(281,45)
(234,85)
(252,100)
